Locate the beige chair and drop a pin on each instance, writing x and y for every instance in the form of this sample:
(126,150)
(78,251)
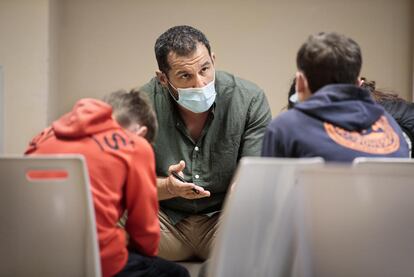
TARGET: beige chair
(47,225)
(356,220)
(256,235)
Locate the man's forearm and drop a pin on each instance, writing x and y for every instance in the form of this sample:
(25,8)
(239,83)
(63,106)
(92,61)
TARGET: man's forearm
(163,192)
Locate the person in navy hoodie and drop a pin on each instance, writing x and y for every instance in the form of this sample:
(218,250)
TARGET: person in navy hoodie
(335,118)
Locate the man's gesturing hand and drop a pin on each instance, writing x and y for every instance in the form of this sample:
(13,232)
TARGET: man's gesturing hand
(182,189)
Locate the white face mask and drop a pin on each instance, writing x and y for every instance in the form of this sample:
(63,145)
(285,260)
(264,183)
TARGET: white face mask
(197,100)
(294,98)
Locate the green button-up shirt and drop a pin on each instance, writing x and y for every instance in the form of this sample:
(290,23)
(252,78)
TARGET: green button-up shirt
(233,130)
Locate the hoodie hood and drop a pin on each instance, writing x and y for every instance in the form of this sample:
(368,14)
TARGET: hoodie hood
(346,106)
(88,116)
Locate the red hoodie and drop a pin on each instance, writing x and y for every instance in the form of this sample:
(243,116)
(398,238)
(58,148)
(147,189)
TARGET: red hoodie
(122,175)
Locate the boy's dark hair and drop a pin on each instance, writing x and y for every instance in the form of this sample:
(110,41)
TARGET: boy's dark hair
(329,58)
(133,107)
(181,40)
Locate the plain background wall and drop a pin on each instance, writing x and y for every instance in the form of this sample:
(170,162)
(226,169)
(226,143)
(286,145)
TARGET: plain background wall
(90,48)
(24,58)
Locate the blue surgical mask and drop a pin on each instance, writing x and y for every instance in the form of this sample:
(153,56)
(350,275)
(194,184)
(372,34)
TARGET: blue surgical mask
(197,100)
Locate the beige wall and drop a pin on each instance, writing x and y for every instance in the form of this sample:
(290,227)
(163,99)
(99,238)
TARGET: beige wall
(109,44)
(94,47)
(24,58)
(55,16)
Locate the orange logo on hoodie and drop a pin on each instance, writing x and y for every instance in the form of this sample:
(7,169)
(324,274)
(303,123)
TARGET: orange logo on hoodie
(379,139)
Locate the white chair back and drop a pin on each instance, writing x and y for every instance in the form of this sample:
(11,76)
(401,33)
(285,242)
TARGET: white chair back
(47,225)
(255,237)
(356,221)
(378,163)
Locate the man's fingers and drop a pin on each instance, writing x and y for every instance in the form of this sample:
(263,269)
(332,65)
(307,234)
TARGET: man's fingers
(187,190)
(177,167)
(205,193)
(199,190)
(193,195)
(180,186)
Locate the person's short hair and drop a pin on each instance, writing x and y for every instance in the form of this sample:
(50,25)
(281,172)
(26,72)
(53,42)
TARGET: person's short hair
(329,58)
(133,107)
(181,40)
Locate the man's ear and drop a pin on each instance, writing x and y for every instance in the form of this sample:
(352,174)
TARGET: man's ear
(302,87)
(359,82)
(213,58)
(162,78)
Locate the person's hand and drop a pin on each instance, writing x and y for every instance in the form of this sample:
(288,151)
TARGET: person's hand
(183,189)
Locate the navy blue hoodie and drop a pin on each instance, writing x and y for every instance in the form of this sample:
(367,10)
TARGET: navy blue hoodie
(338,123)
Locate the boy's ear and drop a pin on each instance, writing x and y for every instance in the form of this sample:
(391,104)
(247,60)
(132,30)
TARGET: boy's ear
(162,78)
(300,82)
(302,87)
(139,130)
(142,131)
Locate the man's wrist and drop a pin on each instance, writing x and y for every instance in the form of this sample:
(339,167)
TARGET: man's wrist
(166,184)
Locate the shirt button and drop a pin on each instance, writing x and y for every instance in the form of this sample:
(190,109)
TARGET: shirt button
(197,176)
(196,148)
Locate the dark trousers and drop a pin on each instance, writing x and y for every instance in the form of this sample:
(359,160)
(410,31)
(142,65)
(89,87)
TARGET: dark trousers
(139,265)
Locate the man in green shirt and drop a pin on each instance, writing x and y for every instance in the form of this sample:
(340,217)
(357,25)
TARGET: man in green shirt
(207,121)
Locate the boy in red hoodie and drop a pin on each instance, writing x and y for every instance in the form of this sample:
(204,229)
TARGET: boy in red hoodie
(122,175)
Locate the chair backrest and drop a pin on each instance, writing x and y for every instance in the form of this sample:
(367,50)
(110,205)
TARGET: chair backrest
(47,224)
(397,163)
(255,236)
(352,222)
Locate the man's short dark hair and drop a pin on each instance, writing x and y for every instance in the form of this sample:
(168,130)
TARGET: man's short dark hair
(329,58)
(181,40)
(133,107)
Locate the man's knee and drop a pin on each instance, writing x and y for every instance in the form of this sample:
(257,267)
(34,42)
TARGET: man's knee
(173,249)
